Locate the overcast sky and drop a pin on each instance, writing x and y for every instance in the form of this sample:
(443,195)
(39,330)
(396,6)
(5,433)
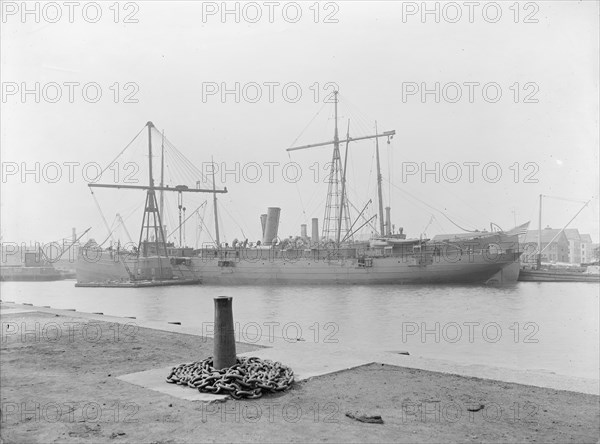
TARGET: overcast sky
(517,94)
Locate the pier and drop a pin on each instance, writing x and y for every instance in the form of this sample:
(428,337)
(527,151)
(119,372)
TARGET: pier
(102,368)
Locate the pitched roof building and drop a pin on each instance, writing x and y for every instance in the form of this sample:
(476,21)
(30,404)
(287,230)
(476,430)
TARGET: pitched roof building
(555,245)
(567,246)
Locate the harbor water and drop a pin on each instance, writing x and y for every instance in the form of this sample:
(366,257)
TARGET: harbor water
(547,327)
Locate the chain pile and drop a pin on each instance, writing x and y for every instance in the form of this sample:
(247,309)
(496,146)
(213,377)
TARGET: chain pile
(248,378)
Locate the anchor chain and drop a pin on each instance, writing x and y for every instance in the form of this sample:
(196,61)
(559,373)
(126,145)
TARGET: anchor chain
(248,378)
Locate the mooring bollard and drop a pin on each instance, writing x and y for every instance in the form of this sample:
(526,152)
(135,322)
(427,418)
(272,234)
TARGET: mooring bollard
(224,344)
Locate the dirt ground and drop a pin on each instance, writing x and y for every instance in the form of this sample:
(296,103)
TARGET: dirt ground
(63,388)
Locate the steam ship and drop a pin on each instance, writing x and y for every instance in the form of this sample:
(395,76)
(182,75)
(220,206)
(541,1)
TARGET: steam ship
(331,256)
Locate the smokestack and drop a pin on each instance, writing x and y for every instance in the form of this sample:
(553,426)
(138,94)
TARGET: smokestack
(303,230)
(74,235)
(315,230)
(271,225)
(388,222)
(263,222)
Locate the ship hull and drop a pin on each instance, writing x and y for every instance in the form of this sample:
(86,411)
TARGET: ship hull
(556,276)
(298,272)
(479,261)
(105,269)
(349,272)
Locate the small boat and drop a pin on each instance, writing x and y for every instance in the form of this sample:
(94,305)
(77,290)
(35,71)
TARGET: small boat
(553,273)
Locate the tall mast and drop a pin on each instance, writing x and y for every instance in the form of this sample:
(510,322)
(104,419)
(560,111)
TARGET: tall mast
(336,139)
(180,206)
(539,257)
(150,196)
(343,197)
(151,179)
(379,194)
(151,210)
(215,205)
(162,178)
(333,206)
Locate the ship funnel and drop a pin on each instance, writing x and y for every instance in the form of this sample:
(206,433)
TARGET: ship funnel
(271,225)
(263,222)
(303,230)
(388,222)
(315,230)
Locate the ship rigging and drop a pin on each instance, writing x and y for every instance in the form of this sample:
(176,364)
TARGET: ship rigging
(336,207)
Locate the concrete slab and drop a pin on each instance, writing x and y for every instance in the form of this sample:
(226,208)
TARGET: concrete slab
(155,380)
(310,360)
(536,378)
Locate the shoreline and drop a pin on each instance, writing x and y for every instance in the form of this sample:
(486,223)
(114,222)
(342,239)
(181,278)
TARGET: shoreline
(345,358)
(72,388)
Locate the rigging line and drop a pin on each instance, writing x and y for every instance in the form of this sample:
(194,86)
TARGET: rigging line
(199,227)
(564,198)
(187,218)
(389,150)
(364,122)
(412,196)
(317,208)
(207,230)
(175,158)
(440,226)
(233,220)
(223,238)
(183,167)
(298,192)
(315,204)
(358,121)
(173,168)
(114,228)
(189,173)
(429,206)
(167,217)
(308,124)
(234,209)
(122,151)
(169,170)
(193,171)
(370,173)
(467,204)
(458,226)
(132,211)
(179,173)
(101,213)
(368,221)
(431,219)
